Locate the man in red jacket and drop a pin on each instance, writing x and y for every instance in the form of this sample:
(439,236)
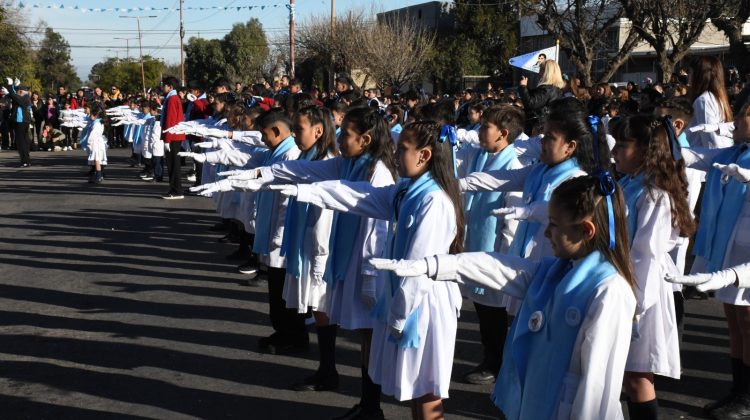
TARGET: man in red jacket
(196,109)
(171,115)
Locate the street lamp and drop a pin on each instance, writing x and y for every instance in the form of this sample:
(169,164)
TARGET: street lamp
(140,46)
(127,45)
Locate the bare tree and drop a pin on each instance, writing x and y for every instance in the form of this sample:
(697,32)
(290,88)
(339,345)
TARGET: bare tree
(582,26)
(343,46)
(670,27)
(729,19)
(398,51)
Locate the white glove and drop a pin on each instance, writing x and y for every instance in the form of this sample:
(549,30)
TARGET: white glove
(397,334)
(706,281)
(198,157)
(251,185)
(740,174)
(215,132)
(512,213)
(240,174)
(16,82)
(289,190)
(705,128)
(191,97)
(166,147)
(369,289)
(208,144)
(208,189)
(4,91)
(402,268)
(9,81)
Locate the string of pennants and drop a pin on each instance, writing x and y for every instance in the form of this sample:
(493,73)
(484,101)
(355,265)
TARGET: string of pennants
(142,9)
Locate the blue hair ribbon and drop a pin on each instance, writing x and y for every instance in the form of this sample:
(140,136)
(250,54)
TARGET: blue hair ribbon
(674,142)
(607,184)
(448,133)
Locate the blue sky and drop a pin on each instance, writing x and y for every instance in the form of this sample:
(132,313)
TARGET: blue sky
(85,31)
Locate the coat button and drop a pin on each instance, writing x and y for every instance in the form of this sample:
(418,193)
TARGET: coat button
(536,321)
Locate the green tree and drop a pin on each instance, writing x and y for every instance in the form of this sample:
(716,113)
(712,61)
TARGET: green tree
(481,40)
(204,60)
(245,50)
(126,74)
(18,60)
(53,62)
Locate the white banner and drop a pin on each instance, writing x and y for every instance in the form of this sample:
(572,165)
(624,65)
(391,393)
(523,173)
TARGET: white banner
(530,61)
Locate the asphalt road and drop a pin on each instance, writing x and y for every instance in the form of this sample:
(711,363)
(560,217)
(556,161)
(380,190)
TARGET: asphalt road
(116,304)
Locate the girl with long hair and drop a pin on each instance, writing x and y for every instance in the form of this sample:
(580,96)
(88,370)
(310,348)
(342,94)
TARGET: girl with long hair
(710,103)
(655,186)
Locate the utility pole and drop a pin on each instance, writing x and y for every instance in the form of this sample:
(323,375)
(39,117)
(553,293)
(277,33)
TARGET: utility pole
(140,47)
(127,46)
(291,37)
(332,69)
(182,51)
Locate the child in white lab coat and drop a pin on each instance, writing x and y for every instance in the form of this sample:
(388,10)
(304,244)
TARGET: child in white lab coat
(655,187)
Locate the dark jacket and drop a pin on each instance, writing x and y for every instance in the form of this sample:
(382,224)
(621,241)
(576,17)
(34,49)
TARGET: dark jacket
(536,102)
(24,102)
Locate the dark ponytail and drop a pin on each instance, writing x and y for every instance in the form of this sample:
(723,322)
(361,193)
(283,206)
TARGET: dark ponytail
(570,117)
(427,134)
(369,120)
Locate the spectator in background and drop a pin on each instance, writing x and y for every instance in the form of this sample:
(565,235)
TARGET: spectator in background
(295,86)
(536,100)
(744,96)
(20,117)
(37,116)
(62,96)
(238,87)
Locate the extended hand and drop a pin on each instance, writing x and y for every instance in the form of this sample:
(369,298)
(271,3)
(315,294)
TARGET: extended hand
(289,190)
(512,213)
(735,171)
(402,268)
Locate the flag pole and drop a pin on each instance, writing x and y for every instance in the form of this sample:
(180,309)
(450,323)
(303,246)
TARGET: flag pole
(557,51)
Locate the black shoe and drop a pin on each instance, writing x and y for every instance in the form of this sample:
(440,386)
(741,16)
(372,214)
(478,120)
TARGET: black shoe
(481,375)
(264,343)
(238,255)
(318,382)
(250,268)
(359,413)
(738,408)
(719,403)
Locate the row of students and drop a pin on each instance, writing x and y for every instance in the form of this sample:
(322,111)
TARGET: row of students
(568,138)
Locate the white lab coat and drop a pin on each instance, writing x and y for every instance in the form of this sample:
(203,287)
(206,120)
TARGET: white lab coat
(97,145)
(593,383)
(309,290)
(707,110)
(656,347)
(739,243)
(344,305)
(412,372)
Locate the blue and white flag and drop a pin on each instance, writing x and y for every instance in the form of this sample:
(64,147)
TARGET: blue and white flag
(530,61)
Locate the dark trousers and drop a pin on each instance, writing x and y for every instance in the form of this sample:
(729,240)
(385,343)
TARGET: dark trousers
(21,131)
(493,327)
(287,323)
(175,167)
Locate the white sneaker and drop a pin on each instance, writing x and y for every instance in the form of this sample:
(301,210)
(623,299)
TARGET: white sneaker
(191,178)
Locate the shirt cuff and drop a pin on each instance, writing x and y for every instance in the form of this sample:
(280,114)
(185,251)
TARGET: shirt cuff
(447,267)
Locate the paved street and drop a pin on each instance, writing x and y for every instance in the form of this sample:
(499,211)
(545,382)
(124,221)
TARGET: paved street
(116,304)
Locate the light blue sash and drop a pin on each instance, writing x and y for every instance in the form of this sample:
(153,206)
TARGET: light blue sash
(83,139)
(721,206)
(538,186)
(345,226)
(632,189)
(265,200)
(295,225)
(540,342)
(400,239)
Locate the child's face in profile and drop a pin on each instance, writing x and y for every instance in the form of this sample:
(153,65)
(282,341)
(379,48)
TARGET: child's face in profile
(350,142)
(555,148)
(566,236)
(628,156)
(474,116)
(411,161)
(490,137)
(305,133)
